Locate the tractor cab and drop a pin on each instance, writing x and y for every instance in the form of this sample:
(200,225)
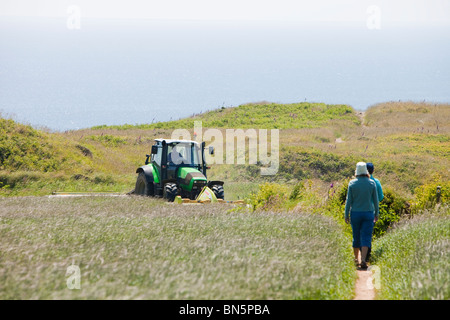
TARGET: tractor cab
(177,154)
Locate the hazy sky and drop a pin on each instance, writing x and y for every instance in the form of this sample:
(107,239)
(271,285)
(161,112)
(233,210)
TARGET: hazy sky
(407,11)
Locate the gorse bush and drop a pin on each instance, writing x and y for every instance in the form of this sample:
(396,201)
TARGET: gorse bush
(276,197)
(306,197)
(24,148)
(428,195)
(299,163)
(9,181)
(270,196)
(392,207)
(297,191)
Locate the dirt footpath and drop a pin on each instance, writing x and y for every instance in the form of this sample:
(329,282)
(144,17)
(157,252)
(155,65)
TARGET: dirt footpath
(364,290)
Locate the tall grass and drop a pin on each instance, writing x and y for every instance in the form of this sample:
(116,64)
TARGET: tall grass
(140,248)
(414,258)
(420,117)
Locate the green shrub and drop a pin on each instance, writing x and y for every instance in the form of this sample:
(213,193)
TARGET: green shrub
(18,178)
(296,192)
(270,196)
(103,179)
(24,148)
(426,196)
(303,196)
(300,163)
(307,197)
(392,207)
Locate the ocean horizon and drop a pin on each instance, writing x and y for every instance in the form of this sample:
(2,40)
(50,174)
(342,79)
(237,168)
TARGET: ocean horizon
(114,72)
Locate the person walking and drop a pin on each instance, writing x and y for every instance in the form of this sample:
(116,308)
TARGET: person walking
(370,169)
(361,211)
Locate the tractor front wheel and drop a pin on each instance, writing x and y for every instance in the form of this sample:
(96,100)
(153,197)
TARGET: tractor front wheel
(170,191)
(218,191)
(143,187)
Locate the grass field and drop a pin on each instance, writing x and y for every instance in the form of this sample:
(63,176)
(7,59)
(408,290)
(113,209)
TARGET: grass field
(260,115)
(414,258)
(140,248)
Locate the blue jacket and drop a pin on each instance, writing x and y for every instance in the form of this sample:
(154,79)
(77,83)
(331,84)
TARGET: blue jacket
(362,196)
(379,189)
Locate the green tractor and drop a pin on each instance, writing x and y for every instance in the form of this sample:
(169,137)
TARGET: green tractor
(176,168)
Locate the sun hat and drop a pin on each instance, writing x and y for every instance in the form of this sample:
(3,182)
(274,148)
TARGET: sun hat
(361,169)
(370,167)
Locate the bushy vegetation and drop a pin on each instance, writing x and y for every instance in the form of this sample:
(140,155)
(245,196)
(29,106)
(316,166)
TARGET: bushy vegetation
(270,196)
(24,148)
(33,162)
(304,196)
(414,258)
(300,163)
(392,208)
(427,196)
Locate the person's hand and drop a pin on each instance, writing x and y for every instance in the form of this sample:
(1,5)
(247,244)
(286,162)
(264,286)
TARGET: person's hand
(375,219)
(347,220)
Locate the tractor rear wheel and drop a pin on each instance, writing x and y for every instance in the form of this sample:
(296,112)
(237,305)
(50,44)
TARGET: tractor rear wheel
(170,191)
(218,191)
(143,187)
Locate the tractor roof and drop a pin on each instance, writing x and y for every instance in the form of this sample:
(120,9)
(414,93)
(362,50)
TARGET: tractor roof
(168,141)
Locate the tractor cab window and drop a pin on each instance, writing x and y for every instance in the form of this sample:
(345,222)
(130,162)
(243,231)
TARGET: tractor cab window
(183,154)
(157,157)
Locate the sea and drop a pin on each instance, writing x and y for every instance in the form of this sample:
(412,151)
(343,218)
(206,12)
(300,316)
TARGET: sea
(118,71)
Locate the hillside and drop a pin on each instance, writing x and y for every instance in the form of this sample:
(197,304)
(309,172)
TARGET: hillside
(409,144)
(263,115)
